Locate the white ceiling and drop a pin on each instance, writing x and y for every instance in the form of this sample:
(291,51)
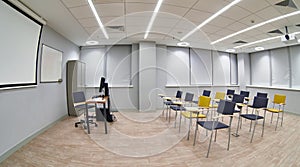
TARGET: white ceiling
(74,20)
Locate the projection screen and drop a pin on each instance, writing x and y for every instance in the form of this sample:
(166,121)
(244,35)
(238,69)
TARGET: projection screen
(19,44)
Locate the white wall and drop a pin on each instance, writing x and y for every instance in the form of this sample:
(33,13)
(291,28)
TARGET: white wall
(26,111)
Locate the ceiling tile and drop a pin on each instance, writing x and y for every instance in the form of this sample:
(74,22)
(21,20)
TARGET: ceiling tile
(74,3)
(236,26)
(251,20)
(253,5)
(197,16)
(181,3)
(88,22)
(81,12)
(222,21)
(107,1)
(173,10)
(268,13)
(209,29)
(224,32)
(106,9)
(139,7)
(210,6)
(236,13)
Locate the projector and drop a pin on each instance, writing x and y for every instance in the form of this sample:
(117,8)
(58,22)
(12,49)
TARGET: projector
(289,39)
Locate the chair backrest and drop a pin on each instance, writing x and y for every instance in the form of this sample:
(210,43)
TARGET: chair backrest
(206,93)
(238,98)
(230,92)
(245,93)
(260,102)
(78,97)
(278,99)
(220,95)
(178,94)
(189,97)
(204,101)
(226,107)
(260,94)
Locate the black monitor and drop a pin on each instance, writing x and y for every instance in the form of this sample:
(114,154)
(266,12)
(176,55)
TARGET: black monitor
(102,82)
(106,90)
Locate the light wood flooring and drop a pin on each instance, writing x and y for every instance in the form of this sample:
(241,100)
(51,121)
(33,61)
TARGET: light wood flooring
(147,139)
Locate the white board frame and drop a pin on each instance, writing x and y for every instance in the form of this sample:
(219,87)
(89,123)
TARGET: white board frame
(51,64)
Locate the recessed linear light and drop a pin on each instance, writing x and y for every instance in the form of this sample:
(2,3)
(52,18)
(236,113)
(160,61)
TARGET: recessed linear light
(153,18)
(183,44)
(262,40)
(230,50)
(255,26)
(259,48)
(91,42)
(210,19)
(98,18)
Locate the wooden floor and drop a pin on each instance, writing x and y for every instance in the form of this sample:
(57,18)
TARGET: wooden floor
(147,139)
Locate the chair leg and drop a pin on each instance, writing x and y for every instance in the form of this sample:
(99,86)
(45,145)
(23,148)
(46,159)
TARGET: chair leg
(237,128)
(277,121)
(253,131)
(195,135)
(229,131)
(209,143)
(175,119)
(250,126)
(179,122)
(282,118)
(216,136)
(272,118)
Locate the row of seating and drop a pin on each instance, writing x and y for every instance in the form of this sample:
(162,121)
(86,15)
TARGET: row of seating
(225,107)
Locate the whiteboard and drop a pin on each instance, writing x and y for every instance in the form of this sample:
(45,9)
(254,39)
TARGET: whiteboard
(51,64)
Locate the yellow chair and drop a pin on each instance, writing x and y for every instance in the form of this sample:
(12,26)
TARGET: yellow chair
(194,112)
(278,107)
(218,96)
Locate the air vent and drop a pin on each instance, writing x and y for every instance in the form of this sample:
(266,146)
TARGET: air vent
(287,3)
(240,42)
(275,32)
(118,28)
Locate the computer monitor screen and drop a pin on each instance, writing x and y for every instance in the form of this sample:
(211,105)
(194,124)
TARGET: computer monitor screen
(102,81)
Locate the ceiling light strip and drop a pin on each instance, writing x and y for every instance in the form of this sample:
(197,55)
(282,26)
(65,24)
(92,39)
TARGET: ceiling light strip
(255,42)
(210,19)
(153,18)
(98,18)
(255,26)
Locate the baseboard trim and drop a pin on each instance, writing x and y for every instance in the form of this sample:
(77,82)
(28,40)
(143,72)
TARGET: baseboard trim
(28,139)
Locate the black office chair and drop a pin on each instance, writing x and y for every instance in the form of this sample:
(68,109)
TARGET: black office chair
(226,108)
(239,100)
(79,104)
(245,93)
(206,93)
(168,102)
(260,94)
(258,103)
(229,94)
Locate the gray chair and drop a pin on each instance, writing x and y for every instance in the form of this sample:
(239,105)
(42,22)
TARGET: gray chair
(225,108)
(79,105)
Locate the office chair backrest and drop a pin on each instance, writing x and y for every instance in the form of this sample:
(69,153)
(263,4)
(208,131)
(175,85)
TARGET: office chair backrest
(78,97)
(230,92)
(204,101)
(220,95)
(178,94)
(279,99)
(245,93)
(226,107)
(189,97)
(260,102)
(206,93)
(238,98)
(259,94)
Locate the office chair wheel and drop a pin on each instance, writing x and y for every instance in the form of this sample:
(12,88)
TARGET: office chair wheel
(76,126)
(96,125)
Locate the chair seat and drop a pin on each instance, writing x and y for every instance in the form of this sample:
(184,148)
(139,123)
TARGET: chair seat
(236,111)
(212,125)
(187,114)
(168,102)
(274,110)
(213,106)
(82,106)
(177,108)
(251,116)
